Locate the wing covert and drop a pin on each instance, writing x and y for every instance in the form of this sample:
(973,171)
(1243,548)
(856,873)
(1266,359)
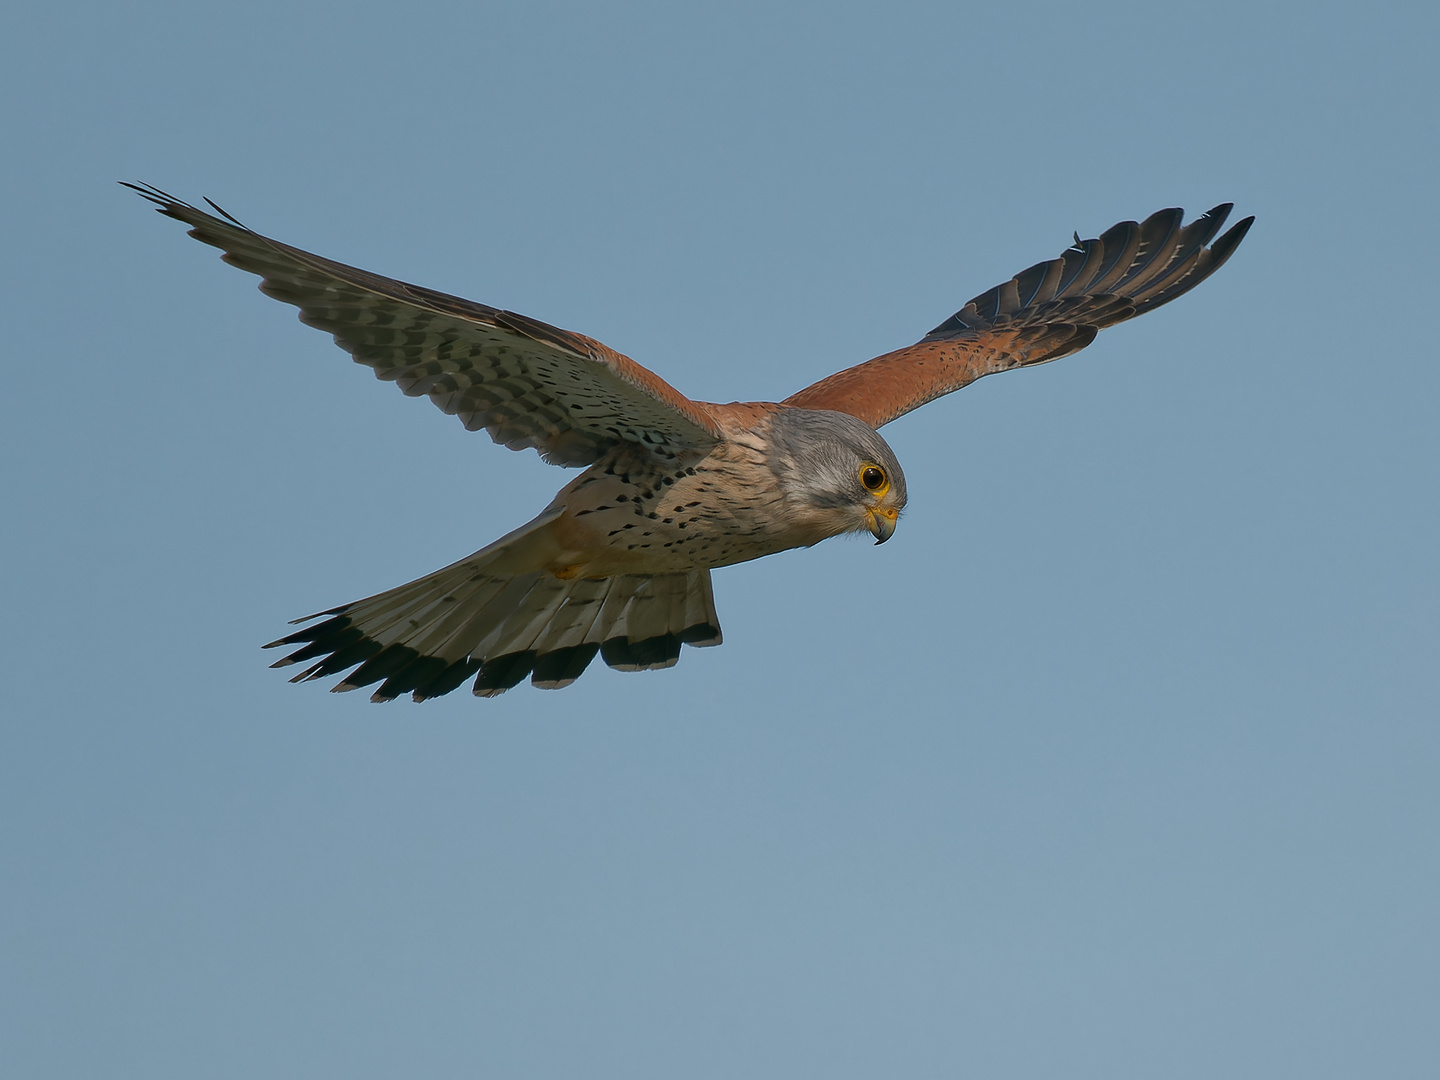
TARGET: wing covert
(527,383)
(1051,310)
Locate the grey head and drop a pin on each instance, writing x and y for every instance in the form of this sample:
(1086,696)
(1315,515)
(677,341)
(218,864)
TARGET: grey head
(837,473)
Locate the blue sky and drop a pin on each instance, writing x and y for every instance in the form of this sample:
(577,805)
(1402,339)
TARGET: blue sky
(1120,759)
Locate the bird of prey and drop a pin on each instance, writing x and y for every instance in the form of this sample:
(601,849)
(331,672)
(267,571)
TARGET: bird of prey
(619,563)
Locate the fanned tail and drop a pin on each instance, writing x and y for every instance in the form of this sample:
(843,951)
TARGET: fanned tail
(427,637)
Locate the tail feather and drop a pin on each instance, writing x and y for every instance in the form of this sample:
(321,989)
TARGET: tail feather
(487,620)
(660,614)
(573,621)
(648,614)
(702,628)
(610,622)
(648,642)
(559,668)
(455,633)
(524,626)
(428,637)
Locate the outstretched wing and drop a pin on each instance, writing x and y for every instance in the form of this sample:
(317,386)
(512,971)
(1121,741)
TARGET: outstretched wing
(527,383)
(1051,310)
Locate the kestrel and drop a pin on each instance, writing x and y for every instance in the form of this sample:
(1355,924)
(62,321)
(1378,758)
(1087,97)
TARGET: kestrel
(619,563)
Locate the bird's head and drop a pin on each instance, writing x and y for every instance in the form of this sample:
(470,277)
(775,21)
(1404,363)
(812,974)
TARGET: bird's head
(837,473)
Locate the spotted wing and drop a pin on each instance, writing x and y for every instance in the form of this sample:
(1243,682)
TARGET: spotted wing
(527,383)
(1051,310)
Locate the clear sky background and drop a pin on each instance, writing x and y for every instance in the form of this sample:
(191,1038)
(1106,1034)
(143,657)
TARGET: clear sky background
(1119,760)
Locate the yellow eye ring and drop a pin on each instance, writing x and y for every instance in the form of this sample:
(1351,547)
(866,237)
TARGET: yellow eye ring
(873,479)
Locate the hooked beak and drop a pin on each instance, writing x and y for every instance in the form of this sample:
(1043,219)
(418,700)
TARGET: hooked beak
(882,522)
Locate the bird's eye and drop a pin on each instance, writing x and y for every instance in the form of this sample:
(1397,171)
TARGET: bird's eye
(873,477)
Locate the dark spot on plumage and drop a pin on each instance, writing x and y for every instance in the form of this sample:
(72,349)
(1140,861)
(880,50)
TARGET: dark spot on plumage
(622,498)
(652,515)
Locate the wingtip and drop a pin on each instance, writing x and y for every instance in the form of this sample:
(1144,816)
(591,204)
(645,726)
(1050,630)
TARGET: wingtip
(1223,248)
(163,200)
(168,204)
(306,618)
(227,215)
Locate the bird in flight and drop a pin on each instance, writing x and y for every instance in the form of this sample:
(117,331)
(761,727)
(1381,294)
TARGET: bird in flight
(619,563)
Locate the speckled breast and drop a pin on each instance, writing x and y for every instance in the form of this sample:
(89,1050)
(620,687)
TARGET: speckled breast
(632,512)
